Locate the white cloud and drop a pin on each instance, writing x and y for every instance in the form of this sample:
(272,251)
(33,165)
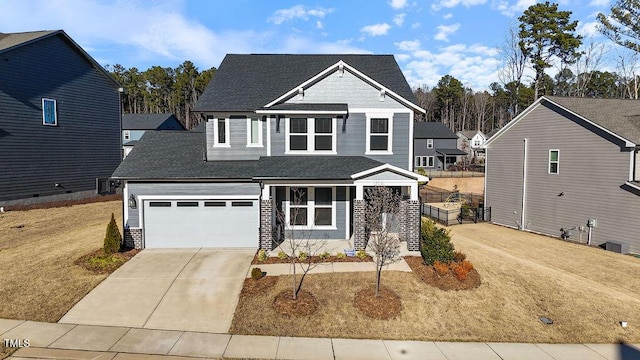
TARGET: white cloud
(443,31)
(402,57)
(398,4)
(298,12)
(399,19)
(415,25)
(447,16)
(510,10)
(453,3)
(599,3)
(319,24)
(376,29)
(408,45)
(588,29)
(301,45)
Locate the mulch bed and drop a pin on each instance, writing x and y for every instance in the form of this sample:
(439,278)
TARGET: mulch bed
(305,304)
(314,259)
(387,305)
(108,267)
(446,282)
(64,203)
(253,287)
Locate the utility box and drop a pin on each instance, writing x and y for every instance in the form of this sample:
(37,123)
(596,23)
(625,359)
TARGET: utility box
(616,246)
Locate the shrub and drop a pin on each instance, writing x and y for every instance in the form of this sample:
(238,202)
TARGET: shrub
(341,255)
(262,255)
(324,256)
(467,265)
(435,243)
(459,256)
(283,255)
(302,256)
(459,271)
(112,239)
(256,273)
(361,254)
(441,268)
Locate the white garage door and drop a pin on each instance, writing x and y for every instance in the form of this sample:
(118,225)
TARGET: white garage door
(201,223)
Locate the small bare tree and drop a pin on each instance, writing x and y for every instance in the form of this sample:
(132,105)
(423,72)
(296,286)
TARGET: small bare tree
(381,211)
(299,244)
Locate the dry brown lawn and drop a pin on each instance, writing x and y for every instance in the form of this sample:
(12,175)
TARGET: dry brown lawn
(586,291)
(37,252)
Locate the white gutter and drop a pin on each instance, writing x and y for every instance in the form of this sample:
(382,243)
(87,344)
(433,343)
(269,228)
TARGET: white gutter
(524,185)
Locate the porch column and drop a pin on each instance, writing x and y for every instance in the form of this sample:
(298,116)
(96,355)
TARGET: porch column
(359,234)
(413,191)
(266,224)
(412,227)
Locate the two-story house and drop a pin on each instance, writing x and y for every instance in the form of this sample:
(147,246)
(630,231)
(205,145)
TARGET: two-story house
(135,125)
(434,146)
(325,127)
(59,119)
(473,141)
(569,167)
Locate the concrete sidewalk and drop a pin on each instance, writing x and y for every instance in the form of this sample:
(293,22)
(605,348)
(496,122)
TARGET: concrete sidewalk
(328,267)
(68,341)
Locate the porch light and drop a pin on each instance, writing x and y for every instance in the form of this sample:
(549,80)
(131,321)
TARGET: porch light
(132,202)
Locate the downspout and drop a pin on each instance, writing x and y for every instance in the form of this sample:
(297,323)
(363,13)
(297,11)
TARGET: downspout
(524,186)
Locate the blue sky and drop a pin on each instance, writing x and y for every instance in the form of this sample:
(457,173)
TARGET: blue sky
(430,39)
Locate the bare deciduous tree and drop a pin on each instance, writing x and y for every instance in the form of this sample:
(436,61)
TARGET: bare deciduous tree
(381,211)
(299,244)
(515,63)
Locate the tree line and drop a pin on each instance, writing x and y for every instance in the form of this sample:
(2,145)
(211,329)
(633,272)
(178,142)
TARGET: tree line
(543,38)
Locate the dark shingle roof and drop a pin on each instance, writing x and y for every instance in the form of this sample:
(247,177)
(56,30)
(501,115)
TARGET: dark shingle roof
(146,121)
(432,130)
(8,41)
(621,117)
(178,155)
(313,167)
(249,82)
(451,152)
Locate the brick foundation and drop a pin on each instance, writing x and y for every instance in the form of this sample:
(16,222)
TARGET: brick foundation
(359,231)
(266,226)
(412,230)
(133,238)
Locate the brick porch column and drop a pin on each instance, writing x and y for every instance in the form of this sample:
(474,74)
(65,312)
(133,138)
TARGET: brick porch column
(402,220)
(413,225)
(359,234)
(266,225)
(132,238)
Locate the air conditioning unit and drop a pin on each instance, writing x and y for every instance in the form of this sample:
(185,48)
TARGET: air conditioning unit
(615,246)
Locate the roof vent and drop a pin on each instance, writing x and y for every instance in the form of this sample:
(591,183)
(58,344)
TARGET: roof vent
(340,69)
(383,92)
(300,94)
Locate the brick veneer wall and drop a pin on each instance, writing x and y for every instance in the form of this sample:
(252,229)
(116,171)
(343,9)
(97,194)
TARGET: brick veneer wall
(359,233)
(412,234)
(402,220)
(266,226)
(133,238)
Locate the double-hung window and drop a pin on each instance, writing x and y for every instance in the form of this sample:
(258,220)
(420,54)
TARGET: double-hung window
(221,132)
(379,133)
(311,207)
(424,161)
(127,135)
(429,143)
(554,161)
(311,135)
(254,132)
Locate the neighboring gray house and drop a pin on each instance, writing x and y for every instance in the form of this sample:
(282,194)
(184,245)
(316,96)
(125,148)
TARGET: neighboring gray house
(474,140)
(59,119)
(134,126)
(564,163)
(329,126)
(434,146)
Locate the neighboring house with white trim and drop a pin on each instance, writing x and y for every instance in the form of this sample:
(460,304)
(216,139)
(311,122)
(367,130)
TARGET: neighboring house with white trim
(135,125)
(434,146)
(475,140)
(328,125)
(565,161)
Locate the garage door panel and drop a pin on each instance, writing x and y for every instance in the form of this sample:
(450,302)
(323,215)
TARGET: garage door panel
(201,226)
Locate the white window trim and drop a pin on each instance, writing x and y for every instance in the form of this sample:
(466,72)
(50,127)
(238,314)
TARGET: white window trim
(259,143)
(126,135)
(226,133)
(311,209)
(389,151)
(427,160)
(311,137)
(55,112)
(551,162)
(429,143)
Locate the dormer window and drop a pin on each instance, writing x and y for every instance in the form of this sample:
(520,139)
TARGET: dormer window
(221,132)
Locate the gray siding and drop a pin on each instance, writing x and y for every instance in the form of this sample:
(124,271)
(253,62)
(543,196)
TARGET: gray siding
(347,89)
(420,149)
(238,141)
(353,141)
(592,170)
(85,145)
(176,189)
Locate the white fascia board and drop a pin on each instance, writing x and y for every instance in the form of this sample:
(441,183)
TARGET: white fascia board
(354,71)
(383,167)
(302,112)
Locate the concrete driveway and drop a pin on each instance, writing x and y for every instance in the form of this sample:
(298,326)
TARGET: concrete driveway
(181,289)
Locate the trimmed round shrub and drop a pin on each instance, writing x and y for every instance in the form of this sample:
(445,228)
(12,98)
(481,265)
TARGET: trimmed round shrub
(256,273)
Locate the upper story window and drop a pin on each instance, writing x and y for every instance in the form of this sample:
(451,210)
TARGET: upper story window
(254,132)
(477,142)
(379,134)
(429,143)
(311,135)
(221,132)
(127,134)
(49,112)
(554,161)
